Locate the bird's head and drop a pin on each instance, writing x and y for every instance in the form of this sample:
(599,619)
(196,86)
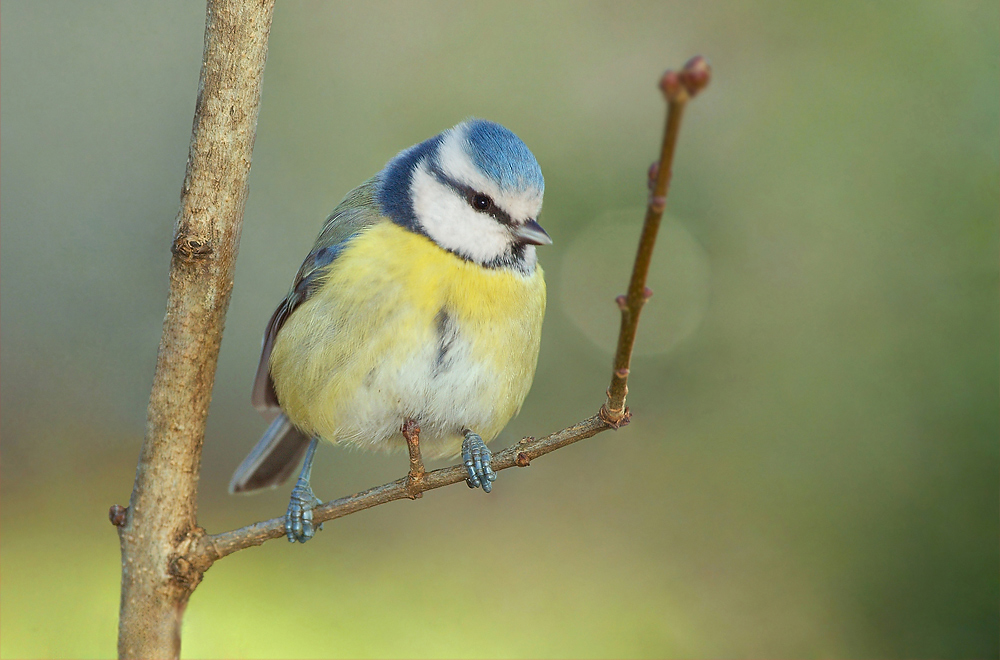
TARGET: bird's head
(475,190)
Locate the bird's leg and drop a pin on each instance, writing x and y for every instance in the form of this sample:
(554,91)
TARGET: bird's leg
(477,459)
(411,433)
(298,518)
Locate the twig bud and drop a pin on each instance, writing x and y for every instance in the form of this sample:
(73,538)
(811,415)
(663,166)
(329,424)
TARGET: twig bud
(117,515)
(671,86)
(622,302)
(654,172)
(522,460)
(695,75)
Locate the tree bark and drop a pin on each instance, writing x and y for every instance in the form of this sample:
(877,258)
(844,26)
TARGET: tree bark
(160,527)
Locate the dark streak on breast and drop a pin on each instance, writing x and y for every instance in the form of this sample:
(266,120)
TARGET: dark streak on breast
(447,334)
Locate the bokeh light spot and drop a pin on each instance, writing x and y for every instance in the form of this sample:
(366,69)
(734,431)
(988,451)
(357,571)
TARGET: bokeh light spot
(596,268)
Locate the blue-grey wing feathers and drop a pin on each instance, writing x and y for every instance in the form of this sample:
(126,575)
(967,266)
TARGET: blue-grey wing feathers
(282,446)
(354,214)
(272,459)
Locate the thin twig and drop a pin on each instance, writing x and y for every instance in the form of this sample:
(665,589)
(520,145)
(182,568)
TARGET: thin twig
(216,546)
(678,88)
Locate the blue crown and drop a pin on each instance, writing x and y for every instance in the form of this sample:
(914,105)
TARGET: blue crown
(502,156)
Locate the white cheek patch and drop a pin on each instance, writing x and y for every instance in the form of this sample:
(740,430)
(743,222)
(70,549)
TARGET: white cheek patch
(456,164)
(452,223)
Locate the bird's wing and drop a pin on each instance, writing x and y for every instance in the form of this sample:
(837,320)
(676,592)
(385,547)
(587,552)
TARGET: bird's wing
(270,462)
(357,212)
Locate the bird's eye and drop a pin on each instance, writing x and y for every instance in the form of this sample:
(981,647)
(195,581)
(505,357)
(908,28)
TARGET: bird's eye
(481,202)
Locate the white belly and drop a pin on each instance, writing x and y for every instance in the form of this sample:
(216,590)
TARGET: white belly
(440,385)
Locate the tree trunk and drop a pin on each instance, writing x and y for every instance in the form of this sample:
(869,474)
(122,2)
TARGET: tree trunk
(160,525)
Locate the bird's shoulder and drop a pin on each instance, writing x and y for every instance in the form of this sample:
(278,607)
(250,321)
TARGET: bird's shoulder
(357,212)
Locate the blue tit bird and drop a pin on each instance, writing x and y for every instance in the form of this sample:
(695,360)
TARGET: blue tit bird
(421,302)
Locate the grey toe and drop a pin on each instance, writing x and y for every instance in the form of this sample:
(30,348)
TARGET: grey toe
(476,457)
(299,517)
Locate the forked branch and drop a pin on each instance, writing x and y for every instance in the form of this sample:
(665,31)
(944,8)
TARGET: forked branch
(678,88)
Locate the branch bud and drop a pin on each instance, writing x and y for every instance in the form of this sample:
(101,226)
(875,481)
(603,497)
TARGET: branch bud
(671,86)
(117,515)
(695,75)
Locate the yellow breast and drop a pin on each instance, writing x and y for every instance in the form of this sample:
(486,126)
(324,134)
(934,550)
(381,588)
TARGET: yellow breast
(402,328)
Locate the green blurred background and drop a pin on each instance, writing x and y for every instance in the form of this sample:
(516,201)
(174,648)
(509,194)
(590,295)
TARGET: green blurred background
(812,469)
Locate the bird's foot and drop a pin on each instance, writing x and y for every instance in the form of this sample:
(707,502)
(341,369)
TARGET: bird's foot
(477,459)
(299,517)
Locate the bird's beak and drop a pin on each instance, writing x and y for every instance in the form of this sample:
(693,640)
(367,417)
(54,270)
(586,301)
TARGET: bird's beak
(532,233)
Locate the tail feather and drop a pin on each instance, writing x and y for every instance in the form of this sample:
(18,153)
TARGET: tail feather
(272,459)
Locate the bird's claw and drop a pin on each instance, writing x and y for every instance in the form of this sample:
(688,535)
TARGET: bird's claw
(299,517)
(477,457)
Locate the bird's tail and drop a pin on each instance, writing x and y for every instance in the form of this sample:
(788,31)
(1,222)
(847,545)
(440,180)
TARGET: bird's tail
(272,460)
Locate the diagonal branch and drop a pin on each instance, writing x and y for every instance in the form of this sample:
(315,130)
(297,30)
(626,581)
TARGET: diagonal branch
(678,87)
(519,455)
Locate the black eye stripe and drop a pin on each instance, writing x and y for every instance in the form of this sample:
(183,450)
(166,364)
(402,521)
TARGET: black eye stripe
(472,196)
